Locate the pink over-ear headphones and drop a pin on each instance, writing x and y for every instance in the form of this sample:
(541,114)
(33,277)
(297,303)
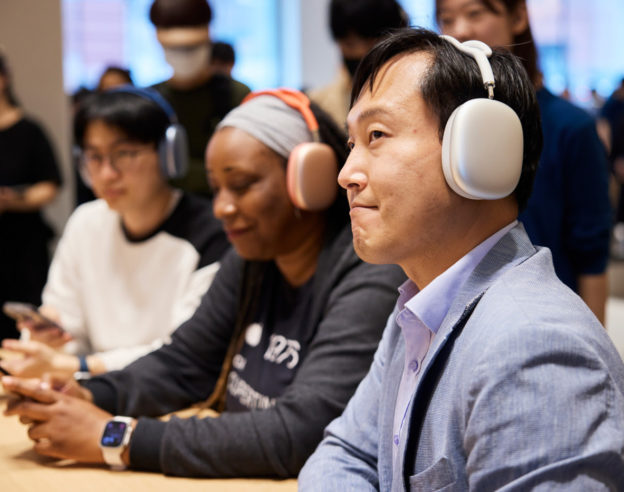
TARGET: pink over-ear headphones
(312,169)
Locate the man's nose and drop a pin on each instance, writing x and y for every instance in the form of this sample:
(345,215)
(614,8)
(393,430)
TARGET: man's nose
(352,174)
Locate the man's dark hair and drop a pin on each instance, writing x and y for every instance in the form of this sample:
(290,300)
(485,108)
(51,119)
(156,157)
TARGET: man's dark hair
(223,52)
(366,18)
(138,117)
(180,13)
(454,78)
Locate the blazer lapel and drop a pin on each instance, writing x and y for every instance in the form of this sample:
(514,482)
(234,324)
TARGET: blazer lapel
(514,248)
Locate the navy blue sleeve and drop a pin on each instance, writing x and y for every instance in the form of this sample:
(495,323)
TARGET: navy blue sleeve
(588,215)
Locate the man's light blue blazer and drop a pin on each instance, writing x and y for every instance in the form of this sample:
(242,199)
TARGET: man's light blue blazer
(530,396)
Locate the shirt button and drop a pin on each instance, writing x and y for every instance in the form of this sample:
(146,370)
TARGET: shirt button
(396,439)
(413,366)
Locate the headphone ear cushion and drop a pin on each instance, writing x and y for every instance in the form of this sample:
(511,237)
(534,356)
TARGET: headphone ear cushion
(173,152)
(482,150)
(312,176)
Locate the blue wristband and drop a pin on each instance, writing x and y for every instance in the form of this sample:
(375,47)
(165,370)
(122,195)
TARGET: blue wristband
(83,364)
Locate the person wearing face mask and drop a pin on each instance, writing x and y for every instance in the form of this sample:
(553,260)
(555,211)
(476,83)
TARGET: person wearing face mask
(356,26)
(200,96)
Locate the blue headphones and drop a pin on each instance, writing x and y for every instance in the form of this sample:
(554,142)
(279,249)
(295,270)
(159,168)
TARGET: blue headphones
(173,147)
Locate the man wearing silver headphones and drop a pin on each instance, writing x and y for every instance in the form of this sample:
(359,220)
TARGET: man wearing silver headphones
(491,373)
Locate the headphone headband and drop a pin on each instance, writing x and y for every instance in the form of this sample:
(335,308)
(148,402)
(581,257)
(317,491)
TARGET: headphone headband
(480,52)
(150,94)
(296,100)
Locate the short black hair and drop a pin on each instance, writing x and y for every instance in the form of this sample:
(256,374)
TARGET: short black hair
(454,78)
(138,117)
(223,52)
(180,13)
(366,18)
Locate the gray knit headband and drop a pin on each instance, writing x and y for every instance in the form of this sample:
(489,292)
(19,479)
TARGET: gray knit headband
(271,121)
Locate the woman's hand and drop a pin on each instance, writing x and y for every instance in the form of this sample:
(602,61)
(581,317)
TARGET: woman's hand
(37,360)
(61,426)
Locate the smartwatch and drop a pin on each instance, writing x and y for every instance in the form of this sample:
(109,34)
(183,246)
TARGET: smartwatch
(115,440)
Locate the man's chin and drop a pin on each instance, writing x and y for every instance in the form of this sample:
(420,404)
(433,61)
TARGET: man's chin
(368,253)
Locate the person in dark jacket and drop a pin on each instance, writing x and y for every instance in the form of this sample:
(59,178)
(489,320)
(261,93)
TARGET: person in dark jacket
(280,340)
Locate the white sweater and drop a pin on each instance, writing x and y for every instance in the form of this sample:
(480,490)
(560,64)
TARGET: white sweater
(122,298)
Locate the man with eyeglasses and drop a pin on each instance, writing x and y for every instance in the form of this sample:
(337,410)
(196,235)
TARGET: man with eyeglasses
(131,266)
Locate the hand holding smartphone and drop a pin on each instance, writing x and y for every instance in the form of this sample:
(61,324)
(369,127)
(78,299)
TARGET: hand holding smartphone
(22,311)
(35,325)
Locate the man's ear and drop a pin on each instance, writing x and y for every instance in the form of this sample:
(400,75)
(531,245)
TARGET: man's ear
(519,19)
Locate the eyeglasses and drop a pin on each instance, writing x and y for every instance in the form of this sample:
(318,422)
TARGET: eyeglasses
(121,160)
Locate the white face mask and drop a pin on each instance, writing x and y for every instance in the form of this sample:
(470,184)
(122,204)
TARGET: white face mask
(188,62)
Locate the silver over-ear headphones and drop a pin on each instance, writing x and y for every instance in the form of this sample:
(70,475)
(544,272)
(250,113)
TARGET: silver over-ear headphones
(482,145)
(173,146)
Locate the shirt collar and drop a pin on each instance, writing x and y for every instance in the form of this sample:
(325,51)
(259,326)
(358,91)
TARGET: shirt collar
(432,303)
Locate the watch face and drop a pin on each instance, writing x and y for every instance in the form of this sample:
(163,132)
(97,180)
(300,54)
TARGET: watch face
(113,434)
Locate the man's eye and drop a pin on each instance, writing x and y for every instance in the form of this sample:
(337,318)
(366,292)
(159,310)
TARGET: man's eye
(375,134)
(350,145)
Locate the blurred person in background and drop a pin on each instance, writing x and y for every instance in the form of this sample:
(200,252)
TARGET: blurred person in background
(223,58)
(569,209)
(610,115)
(611,128)
(29,180)
(114,76)
(199,99)
(356,26)
(133,265)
